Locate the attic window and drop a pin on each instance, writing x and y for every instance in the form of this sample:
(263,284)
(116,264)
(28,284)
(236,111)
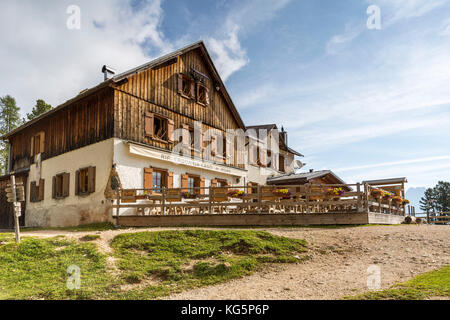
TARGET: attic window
(186,86)
(202,94)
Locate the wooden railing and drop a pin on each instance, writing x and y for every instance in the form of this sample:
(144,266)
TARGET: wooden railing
(439,218)
(309,198)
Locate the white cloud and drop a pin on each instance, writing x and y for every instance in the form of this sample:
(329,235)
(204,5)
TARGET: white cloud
(394,163)
(396,10)
(338,42)
(243,18)
(228,53)
(41,58)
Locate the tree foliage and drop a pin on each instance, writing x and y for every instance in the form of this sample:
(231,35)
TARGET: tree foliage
(41,107)
(436,199)
(9,120)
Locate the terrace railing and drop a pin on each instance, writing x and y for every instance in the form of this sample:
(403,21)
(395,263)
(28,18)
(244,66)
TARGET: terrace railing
(305,199)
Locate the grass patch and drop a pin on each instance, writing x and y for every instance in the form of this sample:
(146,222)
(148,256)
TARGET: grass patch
(37,269)
(431,284)
(178,260)
(151,264)
(90,237)
(88,227)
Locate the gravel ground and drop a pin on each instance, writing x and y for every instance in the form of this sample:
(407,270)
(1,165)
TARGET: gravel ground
(338,264)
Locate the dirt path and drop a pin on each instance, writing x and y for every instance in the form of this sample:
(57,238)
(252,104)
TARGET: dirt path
(338,264)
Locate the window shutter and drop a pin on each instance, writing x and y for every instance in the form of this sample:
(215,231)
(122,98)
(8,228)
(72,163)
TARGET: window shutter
(41,189)
(202,185)
(54,187)
(185,135)
(66,184)
(148,179)
(169,180)
(33,191)
(184,182)
(192,90)
(148,124)
(263,156)
(91,179)
(228,149)
(213,146)
(42,142)
(180,83)
(251,154)
(77,182)
(214,183)
(32,147)
(207,96)
(170,127)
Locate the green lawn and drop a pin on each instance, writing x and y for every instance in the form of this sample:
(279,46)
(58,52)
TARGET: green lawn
(431,284)
(150,264)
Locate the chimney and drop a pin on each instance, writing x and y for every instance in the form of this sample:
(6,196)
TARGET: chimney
(107,70)
(283,135)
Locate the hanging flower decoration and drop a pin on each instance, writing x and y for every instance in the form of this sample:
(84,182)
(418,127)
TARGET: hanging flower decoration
(236,193)
(284,193)
(377,193)
(187,195)
(406,201)
(387,195)
(336,191)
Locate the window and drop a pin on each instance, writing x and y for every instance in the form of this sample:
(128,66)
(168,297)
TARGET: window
(186,86)
(269,159)
(60,186)
(37,192)
(158,127)
(37,143)
(85,181)
(158,181)
(191,185)
(282,169)
(202,94)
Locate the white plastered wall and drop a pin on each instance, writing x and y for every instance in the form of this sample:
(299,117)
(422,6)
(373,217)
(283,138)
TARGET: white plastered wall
(130,168)
(73,210)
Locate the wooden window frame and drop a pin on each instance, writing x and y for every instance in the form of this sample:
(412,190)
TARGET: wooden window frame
(64,180)
(202,86)
(150,126)
(91,181)
(37,192)
(281,164)
(189,82)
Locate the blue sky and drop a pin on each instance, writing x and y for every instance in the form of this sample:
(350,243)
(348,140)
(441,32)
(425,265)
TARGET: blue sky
(365,103)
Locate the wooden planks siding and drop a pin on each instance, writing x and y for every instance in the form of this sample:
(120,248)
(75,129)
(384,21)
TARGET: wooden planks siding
(156,91)
(87,121)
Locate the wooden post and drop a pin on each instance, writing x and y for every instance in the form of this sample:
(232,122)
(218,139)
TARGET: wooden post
(163,201)
(16,205)
(259,199)
(366,199)
(358,189)
(307,189)
(118,205)
(209,200)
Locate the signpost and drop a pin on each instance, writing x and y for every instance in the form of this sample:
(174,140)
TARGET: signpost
(15,193)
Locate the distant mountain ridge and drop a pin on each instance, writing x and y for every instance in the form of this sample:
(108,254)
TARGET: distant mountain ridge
(414,195)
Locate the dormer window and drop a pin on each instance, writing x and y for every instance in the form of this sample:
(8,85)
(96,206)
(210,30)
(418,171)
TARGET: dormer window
(202,94)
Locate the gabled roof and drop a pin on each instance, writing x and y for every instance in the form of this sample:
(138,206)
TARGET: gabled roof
(269,127)
(120,77)
(386,181)
(306,176)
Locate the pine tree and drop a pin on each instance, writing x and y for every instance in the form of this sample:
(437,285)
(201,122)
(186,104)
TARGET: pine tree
(427,202)
(9,120)
(40,108)
(442,196)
